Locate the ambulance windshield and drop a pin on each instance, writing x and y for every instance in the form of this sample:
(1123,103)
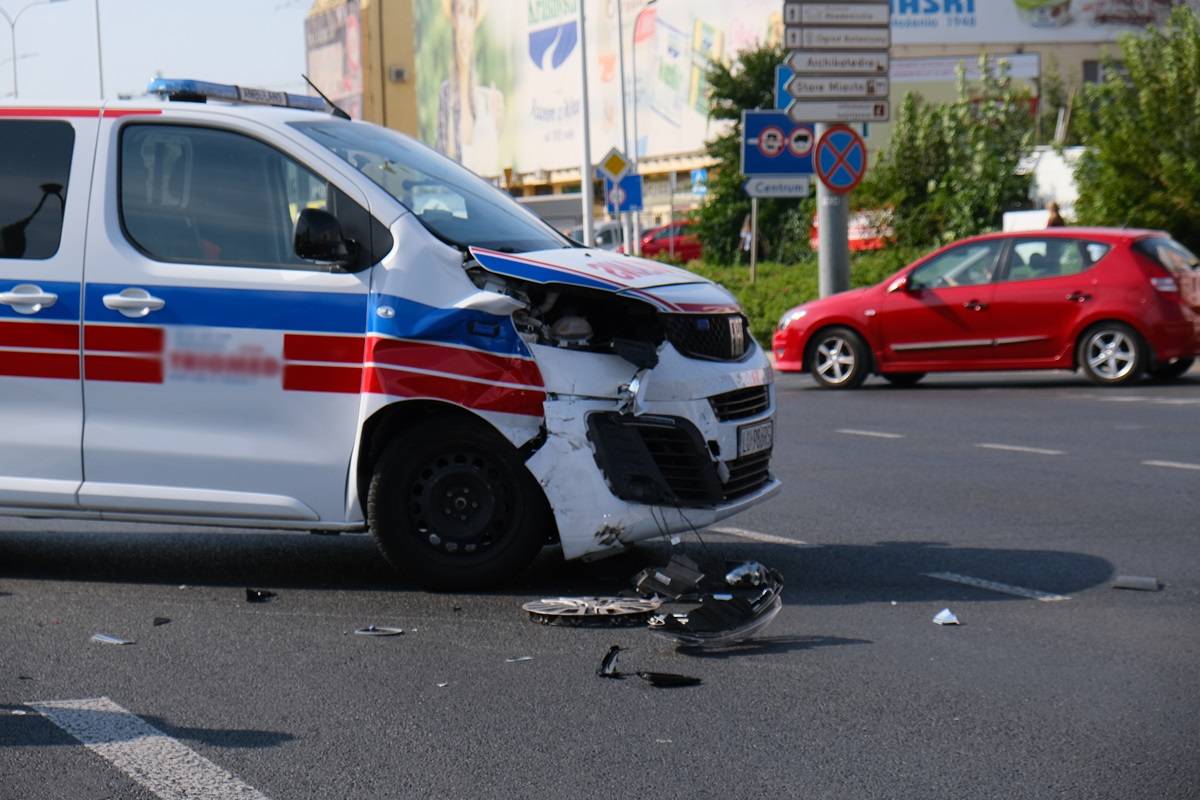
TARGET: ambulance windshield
(453,203)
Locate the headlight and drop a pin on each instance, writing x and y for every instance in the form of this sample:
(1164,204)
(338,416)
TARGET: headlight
(792,316)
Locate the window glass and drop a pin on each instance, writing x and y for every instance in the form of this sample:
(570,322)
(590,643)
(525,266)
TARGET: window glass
(1034,259)
(201,195)
(35,162)
(968,265)
(1170,253)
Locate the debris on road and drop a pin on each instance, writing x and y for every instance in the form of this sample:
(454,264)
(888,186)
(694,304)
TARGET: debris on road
(608,666)
(442,685)
(945,617)
(379,630)
(161,621)
(258,595)
(1137,583)
(752,599)
(668,680)
(517,659)
(104,638)
(608,612)
(679,577)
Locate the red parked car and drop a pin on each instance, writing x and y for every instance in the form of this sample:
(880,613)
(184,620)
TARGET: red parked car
(1116,304)
(658,241)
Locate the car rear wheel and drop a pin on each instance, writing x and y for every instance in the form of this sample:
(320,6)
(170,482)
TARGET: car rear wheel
(452,506)
(839,359)
(1111,354)
(1172,369)
(903,378)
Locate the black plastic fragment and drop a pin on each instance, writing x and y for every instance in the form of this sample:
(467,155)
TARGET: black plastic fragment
(258,595)
(161,621)
(668,680)
(679,577)
(608,667)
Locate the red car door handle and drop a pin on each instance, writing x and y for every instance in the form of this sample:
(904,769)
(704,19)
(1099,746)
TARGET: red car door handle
(974,305)
(1079,297)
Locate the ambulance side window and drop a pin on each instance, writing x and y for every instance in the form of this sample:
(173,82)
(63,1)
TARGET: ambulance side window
(208,196)
(35,162)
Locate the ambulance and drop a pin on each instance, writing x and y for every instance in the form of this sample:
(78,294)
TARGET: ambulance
(226,306)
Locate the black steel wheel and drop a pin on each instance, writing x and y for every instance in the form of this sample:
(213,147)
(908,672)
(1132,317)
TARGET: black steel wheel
(452,506)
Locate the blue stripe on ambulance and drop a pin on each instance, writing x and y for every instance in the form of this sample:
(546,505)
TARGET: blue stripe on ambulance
(65,308)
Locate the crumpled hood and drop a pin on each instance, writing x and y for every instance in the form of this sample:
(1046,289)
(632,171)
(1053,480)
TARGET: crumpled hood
(675,290)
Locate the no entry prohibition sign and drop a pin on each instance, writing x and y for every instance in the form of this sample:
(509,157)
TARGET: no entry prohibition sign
(841,160)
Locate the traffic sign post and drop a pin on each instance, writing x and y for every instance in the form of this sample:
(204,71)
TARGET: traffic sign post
(624,197)
(772,144)
(841,159)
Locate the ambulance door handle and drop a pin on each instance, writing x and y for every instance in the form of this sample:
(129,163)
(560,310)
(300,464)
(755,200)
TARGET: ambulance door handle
(133,303)
(27,298)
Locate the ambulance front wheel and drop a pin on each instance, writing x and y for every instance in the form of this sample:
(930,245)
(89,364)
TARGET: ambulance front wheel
(452,506)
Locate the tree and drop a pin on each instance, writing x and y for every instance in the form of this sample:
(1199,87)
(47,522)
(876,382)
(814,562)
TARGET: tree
(952,169)
(782,224)
(1142,131)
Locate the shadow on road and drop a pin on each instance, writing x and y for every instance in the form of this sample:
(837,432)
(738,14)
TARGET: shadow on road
(771,645)
(958,382)
(34,730)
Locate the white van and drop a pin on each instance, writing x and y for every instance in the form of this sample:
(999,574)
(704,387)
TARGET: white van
(232,307)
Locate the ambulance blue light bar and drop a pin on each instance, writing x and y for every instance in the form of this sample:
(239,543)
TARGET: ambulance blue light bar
(177,89)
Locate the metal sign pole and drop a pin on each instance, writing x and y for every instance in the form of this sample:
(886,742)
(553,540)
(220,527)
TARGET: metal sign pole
(585,166)
(753,239)
(833,227)
(671,214)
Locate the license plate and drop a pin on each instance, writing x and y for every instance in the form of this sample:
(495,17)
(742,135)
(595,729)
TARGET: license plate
(755,438)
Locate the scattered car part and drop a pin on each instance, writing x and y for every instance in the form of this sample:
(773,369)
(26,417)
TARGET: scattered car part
(724,617)
(945,617)
(748,575)
(608,667)
(679,577)
(668,680)
(378,630)
(591,611)
(442,685)
(517,659)
(104,638)
(161,621)
(258,595)
(1137,583)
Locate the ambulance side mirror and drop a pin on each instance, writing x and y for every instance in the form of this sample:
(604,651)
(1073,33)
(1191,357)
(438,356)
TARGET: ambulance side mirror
(318,237)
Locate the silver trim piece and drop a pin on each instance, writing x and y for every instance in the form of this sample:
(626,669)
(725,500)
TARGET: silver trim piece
(1020,339)
(944,345)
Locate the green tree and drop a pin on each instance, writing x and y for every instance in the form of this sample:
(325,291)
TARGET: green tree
(952,169)
(782,224)
(1142,131)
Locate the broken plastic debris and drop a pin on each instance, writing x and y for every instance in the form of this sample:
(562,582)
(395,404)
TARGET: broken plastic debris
(378,630)
(668,680)
(442,685)
(1137,583)
(517,659)
(258,595)
(747,575)
(591,611)
(679,577)
(608,667)
(676,539)
(161,621)
(104,638)
(945,617)
(727,616)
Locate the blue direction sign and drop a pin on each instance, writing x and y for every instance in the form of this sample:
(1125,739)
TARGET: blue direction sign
(700,182)
(783,76)
(774,145)
(625,196)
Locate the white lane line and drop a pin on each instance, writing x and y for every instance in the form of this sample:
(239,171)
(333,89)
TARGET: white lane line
(874,434)
(1174,401)
(1019,591)
(1013,448)
(1172,464)
(755,536)
(147,755)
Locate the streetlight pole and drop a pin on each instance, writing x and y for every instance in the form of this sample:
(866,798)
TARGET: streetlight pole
(637,218)
(12,32)
(585,163)
(626,235)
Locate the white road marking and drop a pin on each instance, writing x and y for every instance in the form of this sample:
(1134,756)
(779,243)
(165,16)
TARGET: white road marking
(1019,591)
(1013,448)
(1172,464)
(147,755)
(1174,401)
(875,434)
(755,536)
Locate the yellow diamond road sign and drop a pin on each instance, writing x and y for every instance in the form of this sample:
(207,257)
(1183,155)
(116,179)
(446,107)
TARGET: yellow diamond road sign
(614,165)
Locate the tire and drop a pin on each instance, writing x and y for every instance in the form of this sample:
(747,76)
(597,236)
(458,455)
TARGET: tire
(1111,354)
(903,378)
(838,358)
(452,506)
(1172,370)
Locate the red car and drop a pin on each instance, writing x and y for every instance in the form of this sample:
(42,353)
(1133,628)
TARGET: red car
(687,246)
(1115,304)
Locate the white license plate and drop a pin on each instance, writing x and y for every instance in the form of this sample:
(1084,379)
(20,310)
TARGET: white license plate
(756,438)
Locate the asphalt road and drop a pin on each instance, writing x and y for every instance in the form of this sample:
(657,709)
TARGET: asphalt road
(852,693)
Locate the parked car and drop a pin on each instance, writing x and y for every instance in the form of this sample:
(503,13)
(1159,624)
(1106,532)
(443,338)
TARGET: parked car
(605,235)
(680,238)
(1115,304)
(230,306)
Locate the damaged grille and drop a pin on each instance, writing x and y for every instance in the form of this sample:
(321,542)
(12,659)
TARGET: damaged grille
(665,461)
(719,337)
(741,404)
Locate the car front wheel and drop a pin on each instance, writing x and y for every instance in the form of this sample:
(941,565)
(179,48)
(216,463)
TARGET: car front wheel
(839,359)
(1111,354)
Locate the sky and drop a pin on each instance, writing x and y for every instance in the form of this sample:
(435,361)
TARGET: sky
(249,42)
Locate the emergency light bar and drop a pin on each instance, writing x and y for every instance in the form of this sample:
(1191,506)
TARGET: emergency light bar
(200,91)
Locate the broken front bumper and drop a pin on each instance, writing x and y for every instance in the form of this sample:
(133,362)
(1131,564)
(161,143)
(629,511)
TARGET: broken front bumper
(620,470)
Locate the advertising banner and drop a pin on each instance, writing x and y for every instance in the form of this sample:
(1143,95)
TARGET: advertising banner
(333,44)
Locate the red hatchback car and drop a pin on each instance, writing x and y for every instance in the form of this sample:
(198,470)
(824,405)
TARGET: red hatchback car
(1116,304)
(680,238)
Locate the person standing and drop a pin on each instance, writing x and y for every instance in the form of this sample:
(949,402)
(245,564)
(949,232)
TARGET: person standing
(1055,220)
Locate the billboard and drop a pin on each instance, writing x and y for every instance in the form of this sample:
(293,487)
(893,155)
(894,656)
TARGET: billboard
(333,46)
